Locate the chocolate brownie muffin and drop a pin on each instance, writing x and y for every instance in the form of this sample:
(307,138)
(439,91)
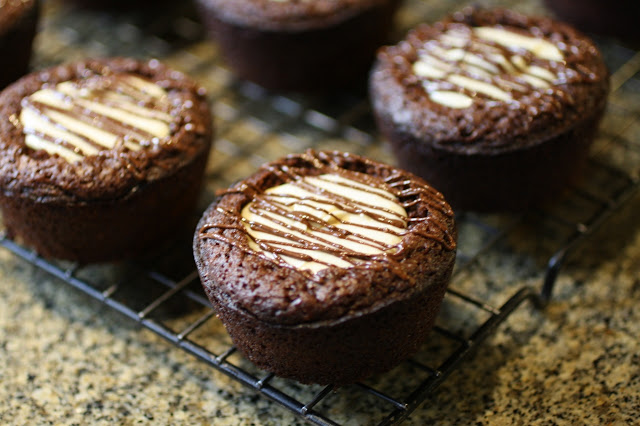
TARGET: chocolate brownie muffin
(18,21)
(101,159)
(619,18)
(495,109)
(299,44)
(327,267)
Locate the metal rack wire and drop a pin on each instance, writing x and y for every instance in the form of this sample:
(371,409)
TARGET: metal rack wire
(162,292)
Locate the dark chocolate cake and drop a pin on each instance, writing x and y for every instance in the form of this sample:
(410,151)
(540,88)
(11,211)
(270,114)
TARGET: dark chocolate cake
(18,21)
(327,267)
(618,18)
(495,109)
(299,45)
(101,159)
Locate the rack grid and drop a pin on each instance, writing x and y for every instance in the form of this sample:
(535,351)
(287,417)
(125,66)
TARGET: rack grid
(163,294)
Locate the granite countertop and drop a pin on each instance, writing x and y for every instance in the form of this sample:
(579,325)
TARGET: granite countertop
(68,359)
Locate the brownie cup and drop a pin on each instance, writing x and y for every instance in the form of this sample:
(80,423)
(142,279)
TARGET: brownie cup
(495,109)
(299,44)
(619,18)
(326,267)
(101,159)
(18,21)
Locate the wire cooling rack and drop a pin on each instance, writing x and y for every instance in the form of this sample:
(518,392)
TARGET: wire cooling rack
(163,292)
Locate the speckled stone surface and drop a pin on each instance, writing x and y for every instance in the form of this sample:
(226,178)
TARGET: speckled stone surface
(67,359)
(576,362)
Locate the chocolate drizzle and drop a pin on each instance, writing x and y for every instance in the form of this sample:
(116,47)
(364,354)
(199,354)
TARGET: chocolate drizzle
(82,117)
(314,222)
(496,58)
(464,60)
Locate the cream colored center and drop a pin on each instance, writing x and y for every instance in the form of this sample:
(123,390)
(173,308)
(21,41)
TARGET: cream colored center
(462,64)
(350,222)
(74,121)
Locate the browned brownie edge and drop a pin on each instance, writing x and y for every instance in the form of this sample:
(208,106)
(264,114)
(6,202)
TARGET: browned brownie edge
(111,230)
(500,181)
(337,352)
